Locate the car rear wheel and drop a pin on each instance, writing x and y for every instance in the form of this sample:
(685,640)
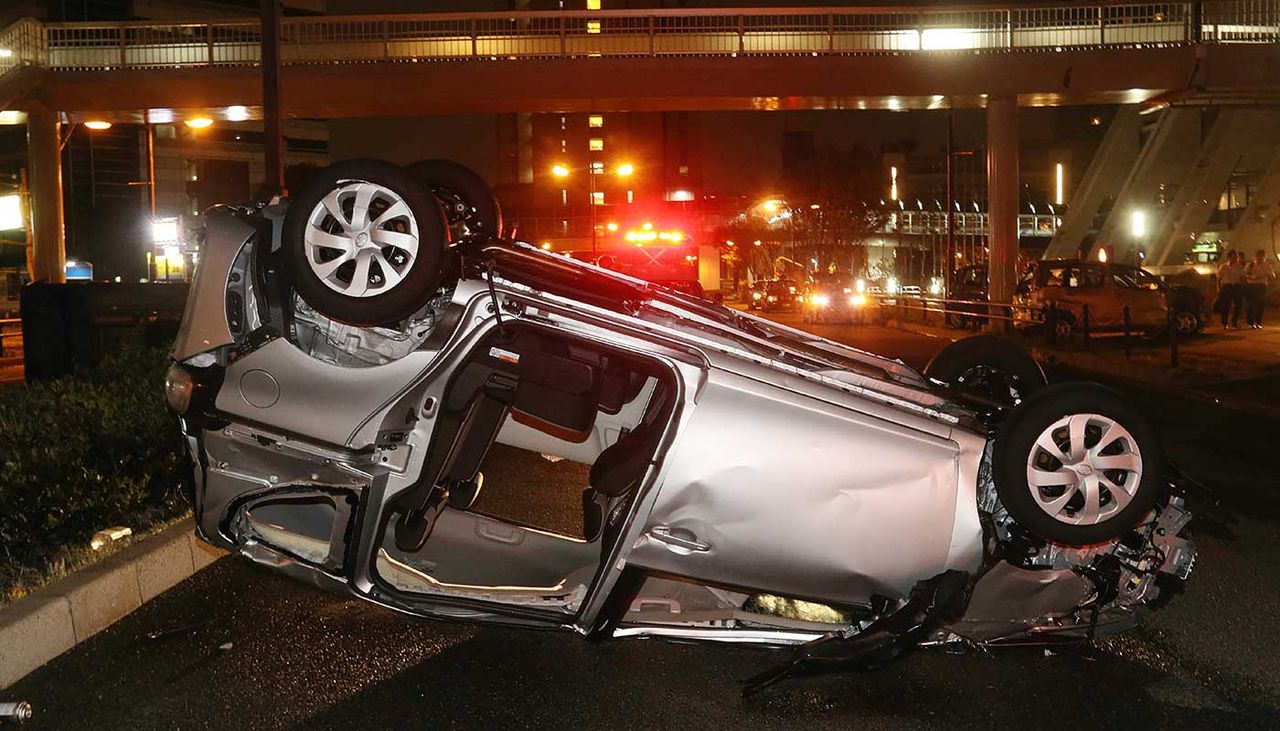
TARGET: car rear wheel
(1187,323)
(468,202)
(1077,465)
(989,367)
(365,243)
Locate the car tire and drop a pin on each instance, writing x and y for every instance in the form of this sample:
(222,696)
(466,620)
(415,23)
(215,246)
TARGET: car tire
(1187,323)
(469,203)
(987,366)
(1077,465)
(341,213)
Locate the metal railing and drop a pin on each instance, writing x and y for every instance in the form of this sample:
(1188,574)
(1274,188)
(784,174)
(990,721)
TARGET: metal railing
(648,32)
(967,223)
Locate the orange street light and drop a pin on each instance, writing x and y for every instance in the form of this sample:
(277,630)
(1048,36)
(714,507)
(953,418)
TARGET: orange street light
(625,170)
(97,124)
(198,122)
(560,170)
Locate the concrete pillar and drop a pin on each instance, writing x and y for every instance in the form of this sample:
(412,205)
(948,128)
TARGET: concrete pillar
(1002,200)
(44,158)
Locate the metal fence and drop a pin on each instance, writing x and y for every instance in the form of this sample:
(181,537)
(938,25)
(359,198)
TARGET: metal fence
(649,32)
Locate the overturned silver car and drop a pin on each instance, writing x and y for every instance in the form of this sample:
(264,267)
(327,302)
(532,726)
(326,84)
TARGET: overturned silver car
(375,386)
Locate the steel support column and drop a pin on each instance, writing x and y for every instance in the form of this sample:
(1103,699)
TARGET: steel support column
(44,155)
(1002,200)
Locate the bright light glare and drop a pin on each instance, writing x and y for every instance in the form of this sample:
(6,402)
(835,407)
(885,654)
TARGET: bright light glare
(6,53)
(948,39)
(891,286)
(560,170)
(860,285)
(1138,223)
(546,246)
(98,124)
(198,122)
(935,286)
(1058,189)
(164,231)
(893,183)
(237,113)
(625,169)
(612,226)
(10,212)
(820,300)
(858,300)
(771,206)
(1102,255)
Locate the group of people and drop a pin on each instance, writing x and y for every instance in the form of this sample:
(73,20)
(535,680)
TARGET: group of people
(1242,285)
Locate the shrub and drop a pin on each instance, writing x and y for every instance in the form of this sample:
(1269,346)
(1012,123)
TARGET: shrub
(82,453)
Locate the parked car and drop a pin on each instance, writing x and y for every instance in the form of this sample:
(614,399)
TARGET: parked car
(362,389)
(968,284)
(756,294)
(1067,285)
(782,295)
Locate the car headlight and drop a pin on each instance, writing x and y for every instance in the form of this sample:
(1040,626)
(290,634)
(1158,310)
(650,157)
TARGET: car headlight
(178,387)
(821,300)
(858,300)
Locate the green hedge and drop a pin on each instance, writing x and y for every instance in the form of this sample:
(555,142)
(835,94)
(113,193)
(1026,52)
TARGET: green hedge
(83,453)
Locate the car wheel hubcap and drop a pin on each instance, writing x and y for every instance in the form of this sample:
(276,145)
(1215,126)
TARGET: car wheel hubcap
(1084,469)
(361,239)
(1186,322)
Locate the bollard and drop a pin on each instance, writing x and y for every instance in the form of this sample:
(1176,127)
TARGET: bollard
(1084,324)
(1173,338)
(1128,352)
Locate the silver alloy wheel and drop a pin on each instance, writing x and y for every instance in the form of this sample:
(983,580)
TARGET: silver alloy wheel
(1084,468)
(1186,322)
(361,239)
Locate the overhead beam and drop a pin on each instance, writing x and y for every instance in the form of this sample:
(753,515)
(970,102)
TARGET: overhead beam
(764,83)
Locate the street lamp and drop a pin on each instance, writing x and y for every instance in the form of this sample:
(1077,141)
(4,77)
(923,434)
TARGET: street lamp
(623,170)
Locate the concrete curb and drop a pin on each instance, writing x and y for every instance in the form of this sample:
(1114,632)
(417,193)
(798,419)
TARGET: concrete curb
(1136,371)
(57,617)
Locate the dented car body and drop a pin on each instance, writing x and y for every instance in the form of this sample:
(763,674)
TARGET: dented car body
(740,480)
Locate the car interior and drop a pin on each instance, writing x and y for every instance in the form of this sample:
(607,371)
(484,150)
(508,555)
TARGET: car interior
(530,410)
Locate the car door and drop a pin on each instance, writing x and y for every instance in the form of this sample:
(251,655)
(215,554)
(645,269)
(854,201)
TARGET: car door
(1140,292)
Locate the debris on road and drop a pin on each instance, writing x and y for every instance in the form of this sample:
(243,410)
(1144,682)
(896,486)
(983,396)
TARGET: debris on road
(18,711)
(110,535)
(183,631)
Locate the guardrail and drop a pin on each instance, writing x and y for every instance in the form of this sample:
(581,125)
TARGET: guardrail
(646,32)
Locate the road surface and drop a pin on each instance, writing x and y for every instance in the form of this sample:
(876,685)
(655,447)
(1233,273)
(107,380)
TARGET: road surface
(272,653)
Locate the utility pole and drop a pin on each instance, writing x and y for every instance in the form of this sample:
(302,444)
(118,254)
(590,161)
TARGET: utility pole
(272,114)
(950,262)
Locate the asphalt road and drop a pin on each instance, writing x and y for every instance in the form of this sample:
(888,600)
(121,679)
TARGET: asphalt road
(272,653)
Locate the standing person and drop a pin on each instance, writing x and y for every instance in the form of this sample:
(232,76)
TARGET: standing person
(1230,294)
(1258,275)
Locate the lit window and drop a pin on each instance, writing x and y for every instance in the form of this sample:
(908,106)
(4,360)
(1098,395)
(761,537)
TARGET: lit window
(597,168)
(597,198)
(564,197)
(684,171)
(680,195)
(593,26)
(596,143)
(631,196)
(595,120)
(593,4)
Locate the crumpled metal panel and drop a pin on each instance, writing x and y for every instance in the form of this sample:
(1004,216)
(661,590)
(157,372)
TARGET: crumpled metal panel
(809,499)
